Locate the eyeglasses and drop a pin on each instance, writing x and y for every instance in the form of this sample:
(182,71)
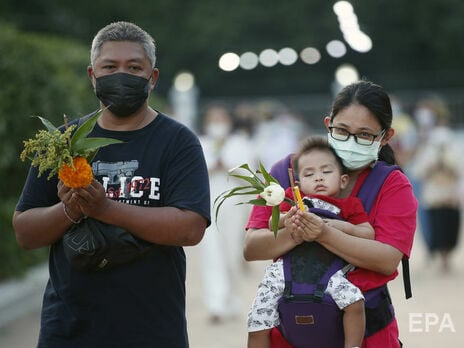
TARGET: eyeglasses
(362,138)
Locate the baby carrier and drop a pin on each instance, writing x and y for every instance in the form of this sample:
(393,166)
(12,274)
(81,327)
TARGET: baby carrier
(308,316)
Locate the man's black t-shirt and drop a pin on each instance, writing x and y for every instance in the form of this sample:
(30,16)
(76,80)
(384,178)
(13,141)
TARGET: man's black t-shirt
(141,304)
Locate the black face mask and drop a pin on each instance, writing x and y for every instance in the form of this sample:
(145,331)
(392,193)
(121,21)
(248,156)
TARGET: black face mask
(123,93)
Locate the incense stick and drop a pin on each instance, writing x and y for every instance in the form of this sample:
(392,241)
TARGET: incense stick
(296,190)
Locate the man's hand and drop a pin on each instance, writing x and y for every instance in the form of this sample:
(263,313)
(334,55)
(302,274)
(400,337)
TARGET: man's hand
(91,200)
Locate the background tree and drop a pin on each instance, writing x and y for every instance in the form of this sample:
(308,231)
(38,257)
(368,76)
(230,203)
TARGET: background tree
(416,44)
(43,76)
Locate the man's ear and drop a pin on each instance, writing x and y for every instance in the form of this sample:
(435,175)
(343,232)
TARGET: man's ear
(154,78)
(91,75)
(344,179)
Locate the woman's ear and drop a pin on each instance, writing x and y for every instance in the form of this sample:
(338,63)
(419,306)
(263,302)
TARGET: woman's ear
(327,122)
(388,135)
(344,179)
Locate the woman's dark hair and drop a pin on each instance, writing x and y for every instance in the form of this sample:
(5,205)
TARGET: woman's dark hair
(374,98)
(320,143)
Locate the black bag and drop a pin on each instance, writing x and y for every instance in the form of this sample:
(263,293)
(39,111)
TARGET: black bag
(92,245)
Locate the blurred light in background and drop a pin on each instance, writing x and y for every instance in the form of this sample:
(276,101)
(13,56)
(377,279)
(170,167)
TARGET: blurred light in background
(336,48)
(229,61)
(352,34)
(310,55)
(287,56)
(249,60)
(184,81)
(346,74)
(268,57)
(348,22)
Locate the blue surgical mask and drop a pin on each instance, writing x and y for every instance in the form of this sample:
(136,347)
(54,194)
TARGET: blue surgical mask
(353,155)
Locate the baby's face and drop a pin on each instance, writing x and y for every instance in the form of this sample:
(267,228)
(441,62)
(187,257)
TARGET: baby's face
(319,173)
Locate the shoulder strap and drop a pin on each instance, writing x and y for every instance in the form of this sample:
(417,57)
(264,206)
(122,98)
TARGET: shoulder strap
(368,194)
(280,170)
(373,183)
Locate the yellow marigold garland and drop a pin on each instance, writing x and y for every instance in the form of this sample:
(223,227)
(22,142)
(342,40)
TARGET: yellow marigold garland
(79,176)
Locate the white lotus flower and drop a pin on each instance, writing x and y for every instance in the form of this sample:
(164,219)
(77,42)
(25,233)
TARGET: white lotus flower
(273,194)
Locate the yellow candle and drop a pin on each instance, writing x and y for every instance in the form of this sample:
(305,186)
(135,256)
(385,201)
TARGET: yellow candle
(296,191)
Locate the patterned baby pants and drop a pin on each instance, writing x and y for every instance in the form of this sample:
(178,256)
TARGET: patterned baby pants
(264,314)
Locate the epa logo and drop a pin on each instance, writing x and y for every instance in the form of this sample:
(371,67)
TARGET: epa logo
(427,322)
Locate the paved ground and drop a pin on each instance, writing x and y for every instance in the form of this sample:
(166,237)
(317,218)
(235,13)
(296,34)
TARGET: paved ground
(434,317)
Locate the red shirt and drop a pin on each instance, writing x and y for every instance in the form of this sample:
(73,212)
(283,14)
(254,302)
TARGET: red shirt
(393,217)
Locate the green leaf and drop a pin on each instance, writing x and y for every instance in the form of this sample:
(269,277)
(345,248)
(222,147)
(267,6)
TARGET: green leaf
(50,127)
(91,155)
(267,177)
(275,220)
(85,129)
(82,146)
(256,186)
(289,201)
(258,201)
(252,180)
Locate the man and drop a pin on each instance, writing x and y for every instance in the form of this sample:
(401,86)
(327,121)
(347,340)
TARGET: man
(153,184)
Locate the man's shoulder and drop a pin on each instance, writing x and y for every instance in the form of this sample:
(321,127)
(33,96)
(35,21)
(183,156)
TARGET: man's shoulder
(170,124)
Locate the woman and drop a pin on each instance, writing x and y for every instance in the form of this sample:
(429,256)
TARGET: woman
(359,129)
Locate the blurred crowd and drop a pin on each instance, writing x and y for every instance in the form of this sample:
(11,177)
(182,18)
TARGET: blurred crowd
(426,145)
(428,148)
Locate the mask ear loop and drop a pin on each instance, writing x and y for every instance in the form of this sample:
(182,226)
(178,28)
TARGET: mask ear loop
(382,134)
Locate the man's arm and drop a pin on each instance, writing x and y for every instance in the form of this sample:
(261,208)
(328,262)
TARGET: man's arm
(160,225)
(40,227)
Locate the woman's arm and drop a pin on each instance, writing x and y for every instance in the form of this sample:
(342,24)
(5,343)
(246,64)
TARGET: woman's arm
(364,253)
(260,244)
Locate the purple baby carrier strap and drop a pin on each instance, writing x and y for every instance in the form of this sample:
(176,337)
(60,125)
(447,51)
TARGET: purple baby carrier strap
(307,313)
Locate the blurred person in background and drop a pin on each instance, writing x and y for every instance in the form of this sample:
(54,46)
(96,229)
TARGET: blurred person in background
(275,119)
(424,118)
(222,244)
(436,165)
(244,119)
(405,141)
